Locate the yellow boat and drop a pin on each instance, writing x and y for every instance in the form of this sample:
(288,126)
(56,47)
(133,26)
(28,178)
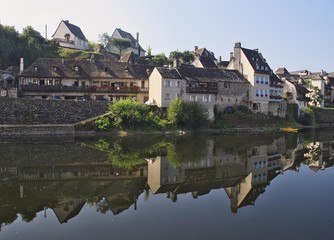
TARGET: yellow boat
(289,129)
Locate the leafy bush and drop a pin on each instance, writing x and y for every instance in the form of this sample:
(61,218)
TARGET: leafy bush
(129,113)
(191,115)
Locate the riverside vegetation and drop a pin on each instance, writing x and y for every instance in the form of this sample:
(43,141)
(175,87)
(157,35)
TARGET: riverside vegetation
(130,115)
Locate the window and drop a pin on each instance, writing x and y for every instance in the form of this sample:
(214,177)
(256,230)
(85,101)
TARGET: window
(193,98)
(167,97)
(178,84)
(226,85)
(177,96)
(206,98)
(257,93)
(35,68)
(49,82)
(167,83)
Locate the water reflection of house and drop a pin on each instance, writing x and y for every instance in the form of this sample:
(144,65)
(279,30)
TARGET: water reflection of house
(264,163)
(320,155)
(79,171)
(199,177)
(64,211)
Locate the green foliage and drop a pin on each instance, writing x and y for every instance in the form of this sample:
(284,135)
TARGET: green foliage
(75,54)
(191,115)
(186,56)
(105,40)
(149,51)
(306,116)
(160,59)
(30,45)
(129,113)
(315,95)
(120,44)
(103,123)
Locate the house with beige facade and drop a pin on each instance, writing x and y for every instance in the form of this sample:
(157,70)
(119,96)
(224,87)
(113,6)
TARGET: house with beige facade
(96,80)
(69,35)
(265,87)
(210,87)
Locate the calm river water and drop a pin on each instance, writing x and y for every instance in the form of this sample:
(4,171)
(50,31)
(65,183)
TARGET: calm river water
(277,186)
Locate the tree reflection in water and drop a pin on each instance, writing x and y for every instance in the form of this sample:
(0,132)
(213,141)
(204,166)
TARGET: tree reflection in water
(111,173)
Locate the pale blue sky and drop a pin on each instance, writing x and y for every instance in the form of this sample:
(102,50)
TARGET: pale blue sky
(296,34)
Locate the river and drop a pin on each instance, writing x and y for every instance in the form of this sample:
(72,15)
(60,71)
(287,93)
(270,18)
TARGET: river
(259,186)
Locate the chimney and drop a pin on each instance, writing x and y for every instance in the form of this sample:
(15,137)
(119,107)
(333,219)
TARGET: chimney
(220,59)
(176,63)
(237,45)
(256,50)
(196,48)
(21,65)
(231,55)
(137,44)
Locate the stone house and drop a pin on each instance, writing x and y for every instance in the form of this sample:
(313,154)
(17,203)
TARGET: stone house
(96,80)
(8,82)
(135,46)
(210,87)
(294,89)
(69,35)
(265,87)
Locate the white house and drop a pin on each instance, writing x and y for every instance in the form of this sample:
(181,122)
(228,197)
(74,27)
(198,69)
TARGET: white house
(70,36)
(135,46)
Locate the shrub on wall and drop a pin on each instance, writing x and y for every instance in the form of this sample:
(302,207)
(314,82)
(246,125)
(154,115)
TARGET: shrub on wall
(306,116)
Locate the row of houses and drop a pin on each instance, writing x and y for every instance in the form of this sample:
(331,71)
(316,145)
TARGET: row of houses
(246,79)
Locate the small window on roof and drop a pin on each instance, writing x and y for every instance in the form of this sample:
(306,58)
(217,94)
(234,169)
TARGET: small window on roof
(76,68)
(105,69)
(54,68)
(36,68)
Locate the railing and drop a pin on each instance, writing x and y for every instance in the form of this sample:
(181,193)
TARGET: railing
(201,90)
(64,40)
(60,88)
(275,85)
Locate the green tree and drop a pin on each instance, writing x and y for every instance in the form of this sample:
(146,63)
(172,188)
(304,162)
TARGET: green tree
(191,115)
(160,59)
(129,113)
(175,55)
(120,44)
(187,56)
(149,51)
(105,40)
(315,95)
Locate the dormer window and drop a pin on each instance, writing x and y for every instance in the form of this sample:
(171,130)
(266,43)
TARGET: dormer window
(76,68)
(105,69)
(54,68)
(35,68)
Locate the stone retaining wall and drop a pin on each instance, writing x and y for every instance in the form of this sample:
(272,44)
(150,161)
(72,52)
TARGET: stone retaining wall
(40,111)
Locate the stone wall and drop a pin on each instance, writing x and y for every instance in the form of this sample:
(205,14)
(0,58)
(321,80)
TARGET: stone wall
(40,111)
(278,108)
(324,116)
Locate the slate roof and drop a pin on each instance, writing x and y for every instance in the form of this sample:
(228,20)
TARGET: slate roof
(169,73)
(282,71)
(207,62)
(65,68)
(203,52)
(191,73)
(275,79)
(256,59)
(211,74)
(74,30)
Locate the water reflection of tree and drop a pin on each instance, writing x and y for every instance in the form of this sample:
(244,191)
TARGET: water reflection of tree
(128,153)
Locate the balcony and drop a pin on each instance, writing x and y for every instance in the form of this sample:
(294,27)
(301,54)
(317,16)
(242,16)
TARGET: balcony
(274,85)
(91,89)
(63,40)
